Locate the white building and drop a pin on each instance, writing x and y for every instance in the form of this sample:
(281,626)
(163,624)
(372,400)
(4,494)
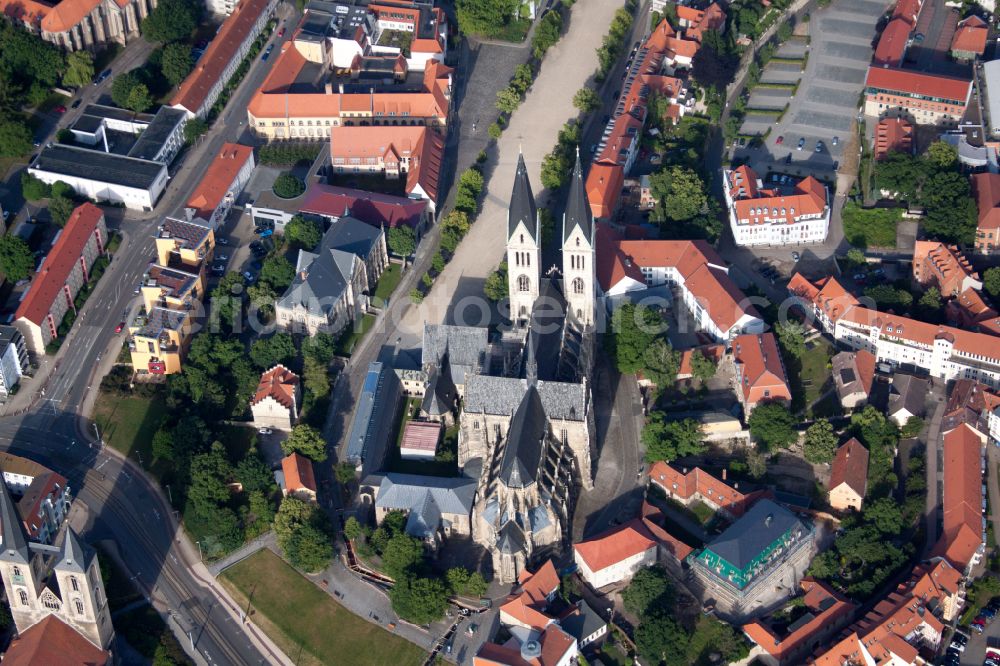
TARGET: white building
(688,271)
(944,352)
(770,216)
(13,359)
(615,555)
(221,185)
(276,402)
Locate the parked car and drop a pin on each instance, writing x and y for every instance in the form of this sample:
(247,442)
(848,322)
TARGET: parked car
(264,431)
(138,289)
(60,109)
(836,140)
(780,140)
(76,103)
(802,142)
(102,76)
(222,241)
(267,52)
(819,146)
(795,256)
(281,31)
(221,257)
(248,276)
(119,327)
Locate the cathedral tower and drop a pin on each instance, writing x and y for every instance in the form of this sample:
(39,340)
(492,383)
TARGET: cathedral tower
(578,252)
(82,591)
(524,253)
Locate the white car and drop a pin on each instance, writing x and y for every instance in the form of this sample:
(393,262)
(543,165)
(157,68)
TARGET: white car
(264,431)
(222,241)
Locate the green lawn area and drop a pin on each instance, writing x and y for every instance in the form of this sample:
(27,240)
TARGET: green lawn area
(702,512)
(306,622)
(871,227)
(387,284)
(815,374)
(350,338)
(128,424)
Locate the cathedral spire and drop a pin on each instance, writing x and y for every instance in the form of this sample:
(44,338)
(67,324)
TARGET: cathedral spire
(15,540)
(74,556)
(530,362)
(522,202)
(577,209)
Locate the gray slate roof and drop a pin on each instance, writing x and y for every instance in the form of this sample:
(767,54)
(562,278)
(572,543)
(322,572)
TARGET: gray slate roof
(577,209)
(426,498)
(75,556)
(525,442)
(582,624)
(439,397)
(510,540)
(522,203)
(762,525)
(466,348)
(909,393)
(324,282)
(352,235)
(502,395)
(15,541)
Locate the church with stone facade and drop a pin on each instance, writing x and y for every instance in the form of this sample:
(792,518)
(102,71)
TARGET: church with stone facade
(56,595)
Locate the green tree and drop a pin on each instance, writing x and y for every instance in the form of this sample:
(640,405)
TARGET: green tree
(33,189)
(416,296)
(268,352)
(820,442)
(472,181)
(402,241)
(495,287)
(354,530)
(321,347)
(288,186)
(659,638)
(547,32)
(633,330)
(649,590)
(60,208)
(419,600)
(437,262)
(669,440)
(209,474)
(466,583)
(485,17)
(15,138)
(16,259)
(913,426)
(680,193)
(277,272)
(773,426)
(991,282)
(254,473)
(703,368)
(257,515)
(139,98)
(316,376)
(508,99)
(176,63)
(121,87)
(791,336)
(309,549)
(941,156)
(403,556)
(171,21)
(524,75)
(660,363)
(194,128)
(586,100)
(307,441)
(886,515)
(79,69)
(495,131)
(345,473)
(856,257)
(303,233)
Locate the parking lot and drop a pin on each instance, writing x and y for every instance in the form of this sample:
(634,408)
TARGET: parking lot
(826,102)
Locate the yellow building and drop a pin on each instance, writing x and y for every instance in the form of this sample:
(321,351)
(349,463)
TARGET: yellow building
(171,290)
(159,340)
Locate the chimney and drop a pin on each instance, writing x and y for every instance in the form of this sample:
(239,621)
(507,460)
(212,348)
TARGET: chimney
(328,88)
(303,274)
(340,87)
(724,470)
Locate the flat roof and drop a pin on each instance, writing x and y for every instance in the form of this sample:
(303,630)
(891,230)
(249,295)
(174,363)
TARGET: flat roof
(89,124)
(164,124)
(991,79)
(98,166)
(114,113)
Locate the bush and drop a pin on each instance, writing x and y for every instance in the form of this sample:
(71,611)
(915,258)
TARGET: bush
(288,186)
(285,154)
(33,189)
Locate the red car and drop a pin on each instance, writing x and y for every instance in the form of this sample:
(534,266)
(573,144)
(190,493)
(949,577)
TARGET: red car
(119,327)
(60,109)
(780,140)
(281,33)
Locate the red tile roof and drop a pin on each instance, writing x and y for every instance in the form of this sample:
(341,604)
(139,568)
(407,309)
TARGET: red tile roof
(421,436)
(54,643)
(654,520)
(759,363)
(713,352)
(420,146)
(528,604)
(615,545)
(908,10)
(986,187)
(221,174)
(753,206)
(685,484)
(971,36)
(278,383)
(58,264)
(298,471)
(892,43)
(827,607)
(962,525)
(554,643)
(604,188)
(224,47)
(893,134)
(850,466)
(908,82)
(370,207)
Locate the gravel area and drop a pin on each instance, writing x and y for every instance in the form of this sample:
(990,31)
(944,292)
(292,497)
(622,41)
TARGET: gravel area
(779,72)
(764,98)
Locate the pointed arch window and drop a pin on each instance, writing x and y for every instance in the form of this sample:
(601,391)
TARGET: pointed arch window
(577,286)
(24,597)
(523,283)
(74,583)
(79,607)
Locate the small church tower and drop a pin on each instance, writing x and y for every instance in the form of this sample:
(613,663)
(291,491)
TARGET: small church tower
(82,590)
(578,253)
(524,252)
(19,568)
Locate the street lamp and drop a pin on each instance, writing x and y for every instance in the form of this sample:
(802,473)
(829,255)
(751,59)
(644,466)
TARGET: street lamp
(97,433)
(200,557)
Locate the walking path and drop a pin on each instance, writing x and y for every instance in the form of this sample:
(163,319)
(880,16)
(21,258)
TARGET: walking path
(533,129)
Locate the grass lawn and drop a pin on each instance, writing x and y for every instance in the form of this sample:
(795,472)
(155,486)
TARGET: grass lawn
(52,101)
(871,227)
(306,622)
(351,337)
(387,284)
(128,424)
(702,512)
(815,374)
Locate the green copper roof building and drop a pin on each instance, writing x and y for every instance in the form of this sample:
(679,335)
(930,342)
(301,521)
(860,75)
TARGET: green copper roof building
(751,545)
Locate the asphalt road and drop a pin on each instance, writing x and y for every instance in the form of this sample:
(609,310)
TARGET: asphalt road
(123,503)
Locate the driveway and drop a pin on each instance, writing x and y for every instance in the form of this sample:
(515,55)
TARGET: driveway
(826,102)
